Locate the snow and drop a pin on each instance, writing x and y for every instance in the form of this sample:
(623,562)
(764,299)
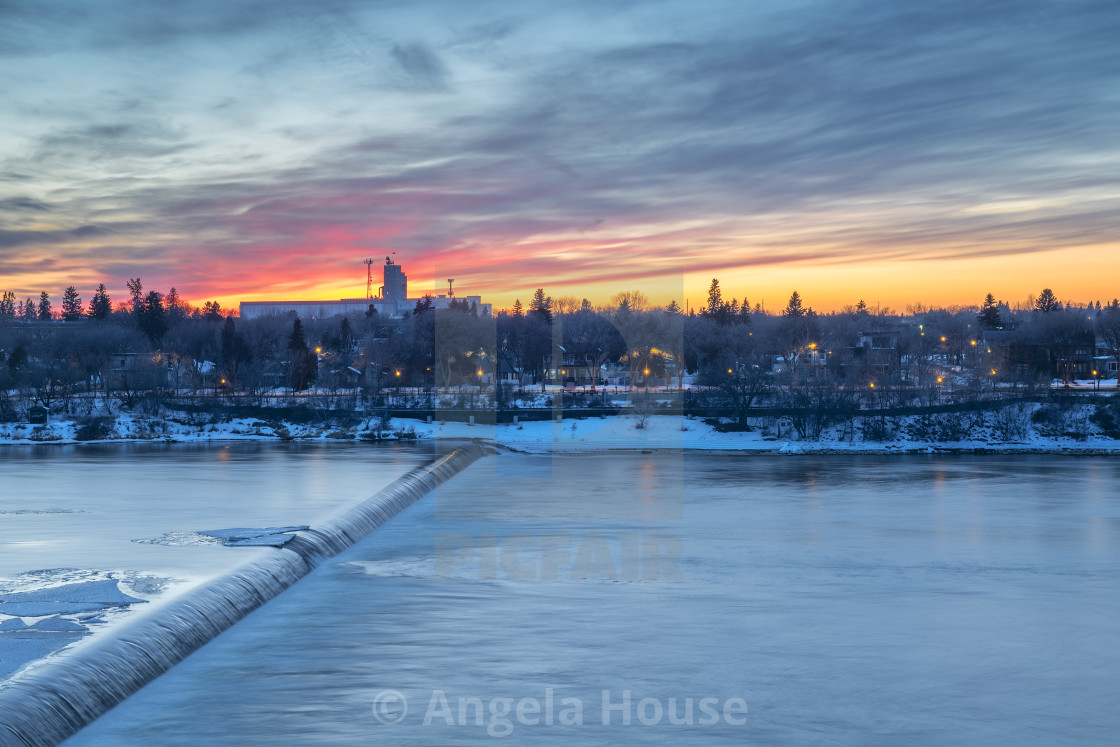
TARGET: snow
(593,434)
(663,432)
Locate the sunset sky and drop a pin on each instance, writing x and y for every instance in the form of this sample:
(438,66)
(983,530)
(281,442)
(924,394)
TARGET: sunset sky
(890,151)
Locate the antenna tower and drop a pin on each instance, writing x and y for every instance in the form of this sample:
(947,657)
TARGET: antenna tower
(450,292)
(369,277)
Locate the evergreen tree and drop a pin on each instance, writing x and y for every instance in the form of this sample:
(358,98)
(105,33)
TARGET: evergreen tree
(715,299)
(303,363)
(176,308)
(153,318)
(1047,302)
(212,311)
(989,317)
(29,313)
(8,305)
(585,305)
(44,307)
(100,306)
(229,342)
(423,304)
(71,305)
(345,335)
(541,306)
(136,290)
(673,307)
(518,310)
(18,358)
(861,307)
(794,308)
(297,341)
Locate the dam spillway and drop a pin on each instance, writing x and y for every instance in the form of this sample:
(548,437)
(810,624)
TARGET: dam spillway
(50,703)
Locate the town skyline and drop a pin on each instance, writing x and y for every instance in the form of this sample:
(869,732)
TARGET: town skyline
(689,303)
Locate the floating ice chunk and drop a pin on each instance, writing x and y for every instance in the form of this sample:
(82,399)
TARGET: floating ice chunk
(102,592)
(41,609)
(179,539)
(59,625)
(267,540)
(229,536)
(87,596)
(12,623)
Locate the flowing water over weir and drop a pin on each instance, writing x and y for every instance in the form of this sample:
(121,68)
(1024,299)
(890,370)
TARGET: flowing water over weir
(51,703)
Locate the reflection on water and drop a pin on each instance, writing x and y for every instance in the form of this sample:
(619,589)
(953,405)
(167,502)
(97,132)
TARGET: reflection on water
(849,600)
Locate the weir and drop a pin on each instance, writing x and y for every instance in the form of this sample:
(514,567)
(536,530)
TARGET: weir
(51,703)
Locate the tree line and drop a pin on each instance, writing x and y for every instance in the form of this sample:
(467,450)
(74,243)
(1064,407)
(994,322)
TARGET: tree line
(741,356)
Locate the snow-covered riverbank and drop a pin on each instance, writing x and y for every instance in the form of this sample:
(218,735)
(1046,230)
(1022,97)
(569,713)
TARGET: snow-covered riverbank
(1025,429)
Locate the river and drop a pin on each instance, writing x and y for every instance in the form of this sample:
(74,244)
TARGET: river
(785,600)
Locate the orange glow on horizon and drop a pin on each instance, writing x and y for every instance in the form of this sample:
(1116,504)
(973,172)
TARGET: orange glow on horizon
(1079,275)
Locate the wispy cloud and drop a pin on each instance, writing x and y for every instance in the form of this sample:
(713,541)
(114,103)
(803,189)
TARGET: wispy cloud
(227,147)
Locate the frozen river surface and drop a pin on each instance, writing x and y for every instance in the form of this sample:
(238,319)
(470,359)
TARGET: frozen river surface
(809,600)
(79,525)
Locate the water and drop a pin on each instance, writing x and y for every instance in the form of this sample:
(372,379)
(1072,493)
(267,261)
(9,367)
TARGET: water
(85,506)
(47,705)
(845,600)
(71,517)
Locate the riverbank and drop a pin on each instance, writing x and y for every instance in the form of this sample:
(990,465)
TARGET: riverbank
(1025,431)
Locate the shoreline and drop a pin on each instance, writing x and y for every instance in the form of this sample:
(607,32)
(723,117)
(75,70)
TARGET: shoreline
(661,434)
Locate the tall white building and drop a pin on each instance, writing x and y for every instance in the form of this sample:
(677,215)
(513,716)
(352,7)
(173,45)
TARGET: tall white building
(391,301)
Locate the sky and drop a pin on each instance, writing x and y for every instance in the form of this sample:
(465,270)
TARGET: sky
(886,151)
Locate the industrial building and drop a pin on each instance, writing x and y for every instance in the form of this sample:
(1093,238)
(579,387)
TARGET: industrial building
(391,299)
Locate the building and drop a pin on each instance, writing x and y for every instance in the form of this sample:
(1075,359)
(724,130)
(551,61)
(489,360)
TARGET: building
(392,301)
